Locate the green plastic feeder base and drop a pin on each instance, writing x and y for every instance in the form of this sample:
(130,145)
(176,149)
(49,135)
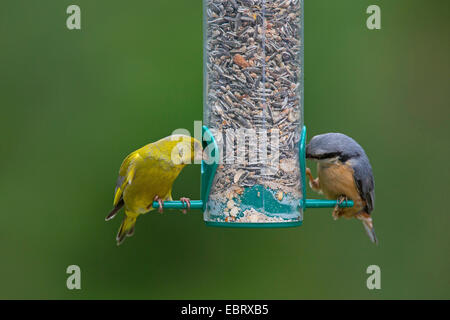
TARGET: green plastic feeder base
(254,225)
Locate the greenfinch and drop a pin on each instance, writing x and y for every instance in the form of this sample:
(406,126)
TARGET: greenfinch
(147,175)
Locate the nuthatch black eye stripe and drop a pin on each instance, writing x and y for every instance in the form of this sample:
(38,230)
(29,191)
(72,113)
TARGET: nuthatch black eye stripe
(329,155)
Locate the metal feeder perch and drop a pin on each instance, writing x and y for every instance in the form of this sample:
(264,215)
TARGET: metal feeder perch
(253,82)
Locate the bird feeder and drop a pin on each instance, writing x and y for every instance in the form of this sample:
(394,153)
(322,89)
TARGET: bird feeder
(254,172)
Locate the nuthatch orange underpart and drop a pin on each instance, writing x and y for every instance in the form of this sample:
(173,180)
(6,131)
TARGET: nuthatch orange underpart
(344,172)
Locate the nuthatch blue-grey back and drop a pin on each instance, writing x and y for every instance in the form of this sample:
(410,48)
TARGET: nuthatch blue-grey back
(344,172)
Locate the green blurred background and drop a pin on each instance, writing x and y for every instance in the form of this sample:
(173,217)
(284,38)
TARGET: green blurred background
(75,103)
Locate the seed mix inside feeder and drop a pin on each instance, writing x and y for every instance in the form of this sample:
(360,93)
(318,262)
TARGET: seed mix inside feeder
(253,106)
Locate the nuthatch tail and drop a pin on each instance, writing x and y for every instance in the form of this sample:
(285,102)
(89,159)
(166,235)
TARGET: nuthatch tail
(344,172)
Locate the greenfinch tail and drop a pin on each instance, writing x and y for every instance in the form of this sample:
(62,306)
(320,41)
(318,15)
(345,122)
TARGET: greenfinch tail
(126,228)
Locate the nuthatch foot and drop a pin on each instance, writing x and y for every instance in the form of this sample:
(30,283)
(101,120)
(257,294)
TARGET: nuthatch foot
(344,172)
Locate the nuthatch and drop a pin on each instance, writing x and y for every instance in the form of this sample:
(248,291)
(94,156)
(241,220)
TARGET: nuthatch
(344,172)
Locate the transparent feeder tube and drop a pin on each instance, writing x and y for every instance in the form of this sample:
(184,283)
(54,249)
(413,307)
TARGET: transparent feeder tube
(253,106)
